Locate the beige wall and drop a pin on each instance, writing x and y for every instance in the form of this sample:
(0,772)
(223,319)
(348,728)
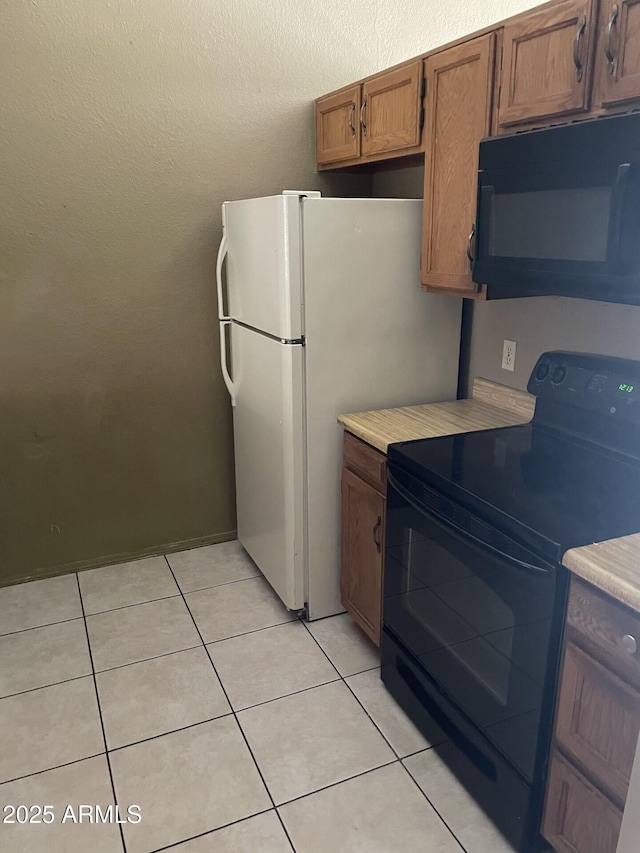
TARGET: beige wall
(124,125)
(543,323)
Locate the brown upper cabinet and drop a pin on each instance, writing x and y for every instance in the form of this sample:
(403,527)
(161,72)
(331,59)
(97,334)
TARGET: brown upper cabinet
(617,62)
(550,54)
(390,112)
(337,126)
(563,61)
(573,59)
(546,63)
(372,120)
(459,100)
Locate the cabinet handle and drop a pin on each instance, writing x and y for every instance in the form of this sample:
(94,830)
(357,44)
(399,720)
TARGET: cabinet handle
(607,40)
(629,644)
(352,110)
(362,115)
(582,24)
(376,531)
(470,245)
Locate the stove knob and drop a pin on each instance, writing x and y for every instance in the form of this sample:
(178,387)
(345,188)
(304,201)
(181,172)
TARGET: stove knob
(542,371)
(629,644)
(559,374)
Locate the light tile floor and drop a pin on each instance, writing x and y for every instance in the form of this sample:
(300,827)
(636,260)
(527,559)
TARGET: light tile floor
(182,687)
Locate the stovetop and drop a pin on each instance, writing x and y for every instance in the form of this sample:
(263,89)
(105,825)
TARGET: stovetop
(526,478)
(569,478)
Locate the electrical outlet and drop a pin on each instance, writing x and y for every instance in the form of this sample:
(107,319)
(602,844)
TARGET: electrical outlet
(509,355)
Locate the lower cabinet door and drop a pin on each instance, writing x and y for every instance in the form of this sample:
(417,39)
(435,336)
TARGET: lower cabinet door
(363,518)
(578,818)
(597,721)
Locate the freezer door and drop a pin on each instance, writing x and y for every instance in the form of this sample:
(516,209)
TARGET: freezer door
(263,264)
(269,458)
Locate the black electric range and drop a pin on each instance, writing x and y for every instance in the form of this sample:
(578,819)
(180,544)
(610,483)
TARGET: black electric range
(475,593)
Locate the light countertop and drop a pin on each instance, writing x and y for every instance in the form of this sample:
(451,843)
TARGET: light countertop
(492,405)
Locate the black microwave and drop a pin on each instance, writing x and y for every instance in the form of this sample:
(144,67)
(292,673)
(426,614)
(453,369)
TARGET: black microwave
(558,212)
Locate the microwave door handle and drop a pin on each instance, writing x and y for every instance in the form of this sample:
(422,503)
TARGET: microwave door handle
(458,532)
(619,199)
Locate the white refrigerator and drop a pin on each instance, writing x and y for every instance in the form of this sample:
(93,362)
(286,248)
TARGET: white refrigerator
(321,313)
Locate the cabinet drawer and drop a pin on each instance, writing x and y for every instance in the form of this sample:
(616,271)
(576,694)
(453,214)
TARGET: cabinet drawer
(597,722)
(601,625)
(366,462)
(577,818)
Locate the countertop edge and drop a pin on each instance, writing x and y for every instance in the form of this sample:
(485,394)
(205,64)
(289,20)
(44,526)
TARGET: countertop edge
(612,566)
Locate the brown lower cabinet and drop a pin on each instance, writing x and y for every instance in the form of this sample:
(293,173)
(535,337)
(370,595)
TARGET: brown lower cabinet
(363,521)
(578,817)
(596,725)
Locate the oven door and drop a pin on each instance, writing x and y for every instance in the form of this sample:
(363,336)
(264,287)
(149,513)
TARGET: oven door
(472,626)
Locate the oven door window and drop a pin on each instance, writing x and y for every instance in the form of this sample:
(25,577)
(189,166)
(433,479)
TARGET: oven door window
(475,620)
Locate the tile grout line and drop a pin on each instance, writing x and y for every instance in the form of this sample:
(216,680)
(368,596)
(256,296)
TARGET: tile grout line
(177,594)
(209,832)
(339,782)
(348,686)
(232,711)
(37,627)
(44,686)
(181,651)
(146,660)
(340,677)
(48,769)
(415,782)
(399,759)
(104,734)
(235,716)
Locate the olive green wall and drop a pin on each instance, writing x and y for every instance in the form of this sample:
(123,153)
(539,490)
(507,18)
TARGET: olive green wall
(124,124)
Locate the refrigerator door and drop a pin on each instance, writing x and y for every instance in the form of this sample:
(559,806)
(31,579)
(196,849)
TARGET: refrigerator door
(373,341)
(269,457)
(264,263)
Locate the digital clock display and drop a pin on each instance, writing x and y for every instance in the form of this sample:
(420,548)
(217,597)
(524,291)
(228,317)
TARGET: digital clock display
(627,388)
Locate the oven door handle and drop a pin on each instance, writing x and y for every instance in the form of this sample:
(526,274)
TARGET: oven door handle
(463,535)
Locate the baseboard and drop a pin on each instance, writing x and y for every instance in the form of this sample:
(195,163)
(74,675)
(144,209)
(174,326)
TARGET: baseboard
(122,557)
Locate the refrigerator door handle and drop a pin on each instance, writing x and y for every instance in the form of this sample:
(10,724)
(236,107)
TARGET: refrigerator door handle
(223,361)
(222,254)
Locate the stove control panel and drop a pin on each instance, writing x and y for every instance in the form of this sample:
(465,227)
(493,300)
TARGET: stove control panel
(602,385)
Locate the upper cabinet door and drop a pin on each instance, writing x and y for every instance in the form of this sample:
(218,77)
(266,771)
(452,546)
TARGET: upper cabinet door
(618,53)
(390,113)
(459,101)
(337,128)
(546,67)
